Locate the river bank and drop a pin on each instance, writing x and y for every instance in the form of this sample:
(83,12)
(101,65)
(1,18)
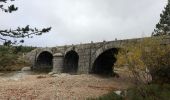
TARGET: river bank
(32,86)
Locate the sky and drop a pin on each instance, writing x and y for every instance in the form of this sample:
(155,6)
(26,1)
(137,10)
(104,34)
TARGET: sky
(83,21)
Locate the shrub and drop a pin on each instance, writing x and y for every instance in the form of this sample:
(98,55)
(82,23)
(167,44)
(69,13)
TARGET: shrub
(12,60)
(149,92)
(146,57)
(109,96)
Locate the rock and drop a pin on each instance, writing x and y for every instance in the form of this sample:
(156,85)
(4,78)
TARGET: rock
(50,73)
(118,92)
(41,76)
(121,93)
(1,74)
(64,75)
(26,69)
(55,75)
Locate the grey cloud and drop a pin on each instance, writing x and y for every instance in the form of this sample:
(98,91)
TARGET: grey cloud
(76,21)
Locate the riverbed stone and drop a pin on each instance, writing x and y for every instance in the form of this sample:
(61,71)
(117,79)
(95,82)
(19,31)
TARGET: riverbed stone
(1,74)
(26,69)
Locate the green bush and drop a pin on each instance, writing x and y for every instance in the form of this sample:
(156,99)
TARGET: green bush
(22,49)
(161,72)
(149,92)
(109,96)
(11,57)
(142,92)
(161,75)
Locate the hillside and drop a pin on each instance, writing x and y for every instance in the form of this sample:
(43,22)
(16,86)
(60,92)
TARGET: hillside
(12,58)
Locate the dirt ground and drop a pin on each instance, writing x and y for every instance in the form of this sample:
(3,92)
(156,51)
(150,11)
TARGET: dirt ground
(60,87)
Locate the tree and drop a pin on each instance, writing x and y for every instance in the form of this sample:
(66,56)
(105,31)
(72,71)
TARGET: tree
(163,27)
(148,61)
(20,32)
(147,58)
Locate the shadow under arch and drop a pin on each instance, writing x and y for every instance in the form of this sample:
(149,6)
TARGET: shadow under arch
(104,63)
(44,62)
(71,62)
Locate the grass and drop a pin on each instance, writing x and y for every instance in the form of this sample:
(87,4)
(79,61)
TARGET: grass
(143,92)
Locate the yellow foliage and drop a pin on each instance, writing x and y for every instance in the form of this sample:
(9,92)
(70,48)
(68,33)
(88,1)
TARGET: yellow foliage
(143,55)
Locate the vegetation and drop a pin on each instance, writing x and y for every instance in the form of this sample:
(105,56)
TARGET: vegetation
(109,96)
(163,27)
(20,32)
(142,92)
(146,59)
(149,92)
(12,58)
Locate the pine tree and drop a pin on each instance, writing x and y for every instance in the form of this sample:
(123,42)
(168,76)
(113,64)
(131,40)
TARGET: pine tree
(163,27)
(20,32)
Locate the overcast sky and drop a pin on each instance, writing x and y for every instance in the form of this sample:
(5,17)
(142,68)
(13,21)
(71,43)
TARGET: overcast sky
(82,21)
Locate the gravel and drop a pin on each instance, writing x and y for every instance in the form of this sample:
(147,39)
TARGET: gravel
(60,87)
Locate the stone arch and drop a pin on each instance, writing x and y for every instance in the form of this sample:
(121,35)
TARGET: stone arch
(40,50)
(70,49)
(44,61)
(104,61)
(71,59)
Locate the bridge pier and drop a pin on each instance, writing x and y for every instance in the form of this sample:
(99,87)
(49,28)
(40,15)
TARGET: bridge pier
(58,62)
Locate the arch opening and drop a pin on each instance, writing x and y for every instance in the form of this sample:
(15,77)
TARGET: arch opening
(71,62)
(104,63)
(44,62)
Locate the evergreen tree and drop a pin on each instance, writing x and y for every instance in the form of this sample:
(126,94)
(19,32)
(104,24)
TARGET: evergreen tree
(163,27)
(20,32)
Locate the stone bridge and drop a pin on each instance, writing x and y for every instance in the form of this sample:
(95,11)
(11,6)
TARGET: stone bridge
(98,58)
